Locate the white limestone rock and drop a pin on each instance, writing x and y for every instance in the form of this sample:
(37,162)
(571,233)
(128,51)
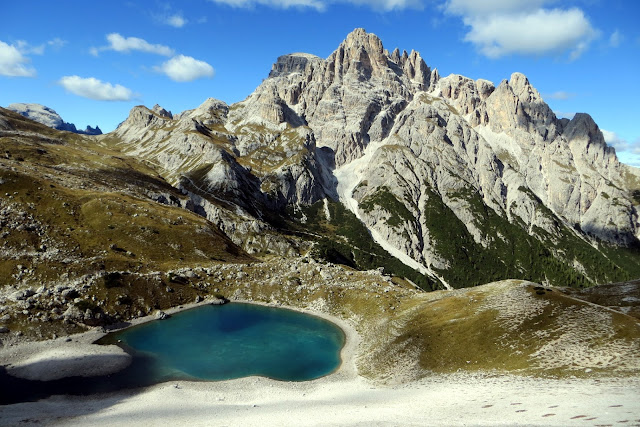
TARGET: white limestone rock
(389,125)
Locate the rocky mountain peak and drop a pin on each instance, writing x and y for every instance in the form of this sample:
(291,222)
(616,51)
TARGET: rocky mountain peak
(162,112)
(211,111)
(360,38)
(587,141)
(49,117)
(523,89)
(416,69)
(363,55)
(582,124)
(516,105)
(360,54)
(418,159)
(39,113)
(140,118)
(292,63)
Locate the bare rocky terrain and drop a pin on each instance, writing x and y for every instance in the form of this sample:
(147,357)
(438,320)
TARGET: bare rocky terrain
(455,225)
(465,182)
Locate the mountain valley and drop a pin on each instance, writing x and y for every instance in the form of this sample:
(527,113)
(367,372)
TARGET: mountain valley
(455,224)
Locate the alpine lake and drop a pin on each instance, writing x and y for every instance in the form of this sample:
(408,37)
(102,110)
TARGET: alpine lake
(206,343)
(221,342)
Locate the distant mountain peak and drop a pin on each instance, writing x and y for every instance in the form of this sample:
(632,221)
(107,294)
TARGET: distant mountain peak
(49,117)
(161,111)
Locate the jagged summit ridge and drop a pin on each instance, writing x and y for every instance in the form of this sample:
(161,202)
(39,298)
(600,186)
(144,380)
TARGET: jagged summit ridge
(442,170)
(292,63)
(349,99)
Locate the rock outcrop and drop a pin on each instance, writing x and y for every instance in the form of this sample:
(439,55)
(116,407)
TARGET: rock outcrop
(419,158)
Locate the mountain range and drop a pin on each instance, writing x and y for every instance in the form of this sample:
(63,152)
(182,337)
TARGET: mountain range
(463,181)
(348,185)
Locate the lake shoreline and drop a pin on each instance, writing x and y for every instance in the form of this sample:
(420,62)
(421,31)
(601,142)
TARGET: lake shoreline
(340,398)
(42,360)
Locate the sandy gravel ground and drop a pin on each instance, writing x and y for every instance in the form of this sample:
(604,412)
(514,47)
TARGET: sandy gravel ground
(340,399)
(451,400)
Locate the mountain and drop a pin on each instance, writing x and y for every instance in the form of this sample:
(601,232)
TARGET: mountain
(91,237)
(346,186)
(48,117)
(463,182)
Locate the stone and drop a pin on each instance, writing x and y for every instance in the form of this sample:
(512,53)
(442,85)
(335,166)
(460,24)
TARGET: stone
(70,293)
(161,315)
(22,294)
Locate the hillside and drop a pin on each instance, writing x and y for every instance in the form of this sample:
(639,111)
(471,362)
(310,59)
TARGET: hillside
(352,186)
(78,221)
(48,117)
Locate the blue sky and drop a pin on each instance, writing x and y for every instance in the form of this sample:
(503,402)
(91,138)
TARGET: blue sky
(93,61)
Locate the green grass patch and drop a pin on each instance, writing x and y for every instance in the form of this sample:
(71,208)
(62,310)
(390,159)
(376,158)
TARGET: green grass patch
(383,198)
(345,240)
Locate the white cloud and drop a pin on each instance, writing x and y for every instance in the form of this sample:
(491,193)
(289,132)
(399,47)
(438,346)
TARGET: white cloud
(621,144)
(26,49)
(127,44)
(122,44)
(176,21)
(628,152)
(560,95)
(93,88)
(277,4)
(13,63)
(505,27)
(537,33)
(183,68)
(616,38)
(320,5)
(57,43)
(614,140)
(491,7)
(388,5)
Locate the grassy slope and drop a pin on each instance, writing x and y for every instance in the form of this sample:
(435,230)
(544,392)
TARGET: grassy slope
(503,327)
(74,200)
(513,253)
(70,209)
(622,296)
(509,326)
(344,239)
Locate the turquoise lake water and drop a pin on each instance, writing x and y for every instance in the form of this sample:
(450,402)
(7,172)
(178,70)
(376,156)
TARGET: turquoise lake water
(232,341)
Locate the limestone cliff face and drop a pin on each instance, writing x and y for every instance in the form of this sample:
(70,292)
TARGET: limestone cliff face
(420,159)
(352,97)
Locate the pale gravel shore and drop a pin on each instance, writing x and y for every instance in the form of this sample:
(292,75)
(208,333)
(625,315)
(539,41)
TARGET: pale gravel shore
(457,400)
(68,356)
(342,398)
